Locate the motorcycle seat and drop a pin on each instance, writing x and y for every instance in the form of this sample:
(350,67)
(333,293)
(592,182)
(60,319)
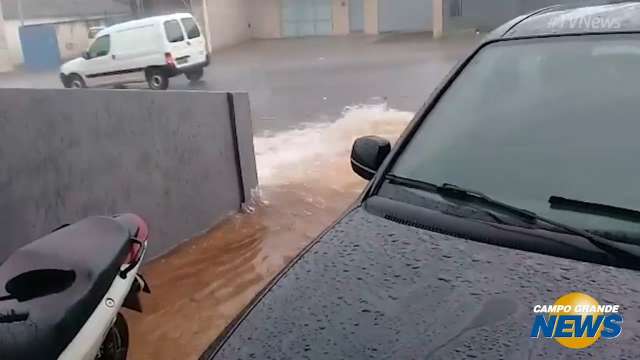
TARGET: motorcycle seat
(50,287)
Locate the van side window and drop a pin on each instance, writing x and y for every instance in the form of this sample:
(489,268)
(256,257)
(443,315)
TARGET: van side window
(191,28)
(100,47)
(173,31)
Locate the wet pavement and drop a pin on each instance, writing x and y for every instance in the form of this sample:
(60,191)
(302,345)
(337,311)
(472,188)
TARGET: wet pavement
(201,286)
(296,81)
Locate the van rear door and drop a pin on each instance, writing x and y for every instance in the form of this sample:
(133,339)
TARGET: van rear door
(177,40)
(195,40)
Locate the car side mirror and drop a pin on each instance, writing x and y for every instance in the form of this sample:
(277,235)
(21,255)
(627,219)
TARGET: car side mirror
(85,55)
(367,155)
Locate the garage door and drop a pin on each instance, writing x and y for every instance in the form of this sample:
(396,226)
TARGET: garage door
(39,47)
(306,17)
(356,15)
(405,15)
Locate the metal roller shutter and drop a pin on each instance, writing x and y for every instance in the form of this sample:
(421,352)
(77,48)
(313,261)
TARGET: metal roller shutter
(306,17)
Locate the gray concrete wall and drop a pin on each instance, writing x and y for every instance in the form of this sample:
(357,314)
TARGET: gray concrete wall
(169,156)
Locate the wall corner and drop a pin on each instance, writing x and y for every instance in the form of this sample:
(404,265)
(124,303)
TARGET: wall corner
(242,127)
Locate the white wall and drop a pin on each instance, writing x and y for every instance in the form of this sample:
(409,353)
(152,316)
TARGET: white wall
(228,22)
(438,18)
(73,38)
(13,41)
(3,41)
(371,16)
(5,61)
(265,17)
(340,14)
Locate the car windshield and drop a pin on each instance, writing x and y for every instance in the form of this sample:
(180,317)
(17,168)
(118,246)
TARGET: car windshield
(529,119)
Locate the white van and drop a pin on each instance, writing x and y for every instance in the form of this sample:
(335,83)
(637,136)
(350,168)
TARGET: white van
(148,50)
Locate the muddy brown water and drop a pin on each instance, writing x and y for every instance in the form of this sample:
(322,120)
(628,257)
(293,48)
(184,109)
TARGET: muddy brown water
(306,183)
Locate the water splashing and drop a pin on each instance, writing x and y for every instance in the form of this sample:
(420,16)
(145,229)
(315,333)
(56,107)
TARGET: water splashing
(319,153)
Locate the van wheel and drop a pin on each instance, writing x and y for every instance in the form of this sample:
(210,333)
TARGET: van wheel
(157,79)
(194,75)
(116,343)
(75,81)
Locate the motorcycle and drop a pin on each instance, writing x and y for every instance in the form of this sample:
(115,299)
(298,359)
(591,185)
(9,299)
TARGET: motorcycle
(63,292)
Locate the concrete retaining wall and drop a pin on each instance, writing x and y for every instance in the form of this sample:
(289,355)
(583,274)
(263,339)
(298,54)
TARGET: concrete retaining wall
(182,160)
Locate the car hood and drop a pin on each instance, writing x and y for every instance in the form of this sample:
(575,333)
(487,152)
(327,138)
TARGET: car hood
(375,288)
(71,66)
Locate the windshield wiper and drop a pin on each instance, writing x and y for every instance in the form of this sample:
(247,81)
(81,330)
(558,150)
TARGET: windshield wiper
(591,208)
(621,250)
(455,191)
(466,195)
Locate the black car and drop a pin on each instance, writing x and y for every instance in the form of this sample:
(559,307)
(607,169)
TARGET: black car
(514,185)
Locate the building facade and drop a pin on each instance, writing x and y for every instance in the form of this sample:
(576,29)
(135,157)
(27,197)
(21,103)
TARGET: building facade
(68,20)
(230,22)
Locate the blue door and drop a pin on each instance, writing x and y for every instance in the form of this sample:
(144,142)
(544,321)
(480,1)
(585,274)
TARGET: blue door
(356,15)
(40,47)
(306,17)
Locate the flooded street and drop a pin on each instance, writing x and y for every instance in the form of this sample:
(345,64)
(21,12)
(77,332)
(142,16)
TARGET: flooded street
(203,148)
(306,183)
